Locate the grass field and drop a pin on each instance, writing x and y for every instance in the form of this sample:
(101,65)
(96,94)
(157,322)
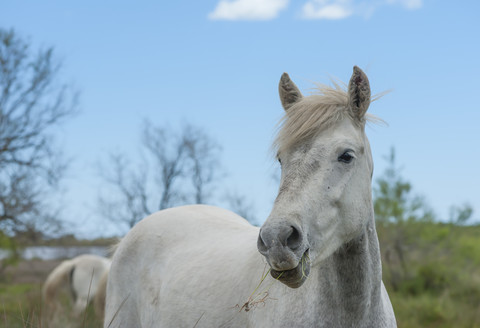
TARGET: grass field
(21,302)
(22,307)
(435,283)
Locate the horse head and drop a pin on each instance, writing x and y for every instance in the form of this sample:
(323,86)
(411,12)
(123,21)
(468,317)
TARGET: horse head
(324,199)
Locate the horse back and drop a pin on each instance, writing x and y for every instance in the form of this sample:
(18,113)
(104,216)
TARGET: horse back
(183,263)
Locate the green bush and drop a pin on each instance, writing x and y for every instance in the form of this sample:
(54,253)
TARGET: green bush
(439,283)
(8,245)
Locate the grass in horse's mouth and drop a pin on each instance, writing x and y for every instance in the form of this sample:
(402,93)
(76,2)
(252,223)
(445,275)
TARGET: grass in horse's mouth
(304,262)
(261,297)
(295,277)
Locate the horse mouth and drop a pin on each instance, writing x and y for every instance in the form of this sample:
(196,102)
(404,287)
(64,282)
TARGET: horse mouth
(295,277)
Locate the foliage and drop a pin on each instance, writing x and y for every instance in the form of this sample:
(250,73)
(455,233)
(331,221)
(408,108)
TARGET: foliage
(9,246)
(442,288)
(393,199)
(430,269)
(460,214)
(395,205)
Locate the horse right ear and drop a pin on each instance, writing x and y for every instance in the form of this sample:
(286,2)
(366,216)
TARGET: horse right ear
(289,93)
(359,93)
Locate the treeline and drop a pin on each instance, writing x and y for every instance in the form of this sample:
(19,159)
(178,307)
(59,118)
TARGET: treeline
(431,268)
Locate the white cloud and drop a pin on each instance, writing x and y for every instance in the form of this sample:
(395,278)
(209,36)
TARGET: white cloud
(247,9)
(340,9)
(327,9)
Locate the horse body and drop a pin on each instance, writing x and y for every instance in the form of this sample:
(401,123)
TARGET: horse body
(176,292)
(100,296)
(315,262)
(82,275)
(175,289)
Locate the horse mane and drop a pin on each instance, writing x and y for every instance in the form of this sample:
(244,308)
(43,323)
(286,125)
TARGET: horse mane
(309,115)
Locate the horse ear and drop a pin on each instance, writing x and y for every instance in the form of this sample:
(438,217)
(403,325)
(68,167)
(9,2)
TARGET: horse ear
(359,93)
(289,93)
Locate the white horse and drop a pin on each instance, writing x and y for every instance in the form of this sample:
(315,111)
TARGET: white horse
(202,266)
(83,276)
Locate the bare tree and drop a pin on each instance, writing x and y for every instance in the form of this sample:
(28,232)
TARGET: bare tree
(32,104)
(203,153)
(168,151)
(175,163)
(130,202)
(239,204)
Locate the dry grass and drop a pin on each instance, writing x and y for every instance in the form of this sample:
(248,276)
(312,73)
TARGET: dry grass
(258,297)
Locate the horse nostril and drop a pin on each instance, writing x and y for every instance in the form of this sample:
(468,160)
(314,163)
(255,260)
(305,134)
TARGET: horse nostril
(294,239)
(279,236)
(261,244)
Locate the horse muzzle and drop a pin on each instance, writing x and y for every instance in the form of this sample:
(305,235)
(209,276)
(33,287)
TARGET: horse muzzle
(286,251)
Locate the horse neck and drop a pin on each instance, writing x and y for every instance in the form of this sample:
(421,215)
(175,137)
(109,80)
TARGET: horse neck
(353,274)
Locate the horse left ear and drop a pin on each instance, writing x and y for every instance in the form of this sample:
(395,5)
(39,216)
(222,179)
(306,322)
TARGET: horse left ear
(288,91)
(359,93)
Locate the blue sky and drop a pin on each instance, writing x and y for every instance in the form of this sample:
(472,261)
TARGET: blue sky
(217,63)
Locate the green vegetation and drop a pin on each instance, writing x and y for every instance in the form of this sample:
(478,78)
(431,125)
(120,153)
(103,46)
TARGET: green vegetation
(430,269)
(21,303)
(8,245)
(438,282)
(21,307)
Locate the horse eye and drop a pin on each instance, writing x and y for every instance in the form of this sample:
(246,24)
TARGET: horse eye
(345,157)
(279,160)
